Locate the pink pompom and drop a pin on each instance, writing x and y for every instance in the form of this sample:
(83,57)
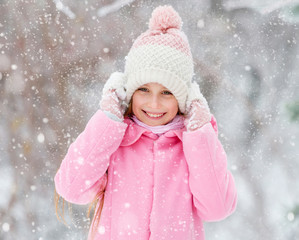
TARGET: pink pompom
(165,17)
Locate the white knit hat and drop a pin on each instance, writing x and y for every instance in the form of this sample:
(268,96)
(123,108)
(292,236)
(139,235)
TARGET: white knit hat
(161,54)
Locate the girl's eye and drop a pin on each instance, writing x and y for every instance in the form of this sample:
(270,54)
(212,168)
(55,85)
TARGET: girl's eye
(167,92)
(143,89)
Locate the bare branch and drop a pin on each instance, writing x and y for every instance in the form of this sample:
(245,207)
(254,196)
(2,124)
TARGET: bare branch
(64,9)
(114,7)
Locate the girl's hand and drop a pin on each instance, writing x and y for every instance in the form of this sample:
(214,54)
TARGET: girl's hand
(198,112)
(114,95)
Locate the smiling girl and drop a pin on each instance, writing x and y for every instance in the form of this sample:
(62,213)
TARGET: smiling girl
(151,156)
(154,104)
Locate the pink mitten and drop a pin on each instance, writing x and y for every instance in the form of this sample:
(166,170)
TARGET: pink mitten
(198,112)
(113,96)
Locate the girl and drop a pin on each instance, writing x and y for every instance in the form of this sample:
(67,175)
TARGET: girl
(151,155)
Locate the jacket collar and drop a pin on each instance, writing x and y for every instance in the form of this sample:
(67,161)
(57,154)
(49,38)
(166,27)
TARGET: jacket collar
(134,132)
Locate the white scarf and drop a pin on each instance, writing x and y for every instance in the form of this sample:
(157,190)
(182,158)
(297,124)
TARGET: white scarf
(176,123)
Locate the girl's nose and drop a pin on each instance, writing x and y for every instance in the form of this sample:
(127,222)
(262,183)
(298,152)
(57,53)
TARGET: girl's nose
(154,102)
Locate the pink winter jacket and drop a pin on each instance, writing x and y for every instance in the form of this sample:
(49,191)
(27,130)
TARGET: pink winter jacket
(158,187)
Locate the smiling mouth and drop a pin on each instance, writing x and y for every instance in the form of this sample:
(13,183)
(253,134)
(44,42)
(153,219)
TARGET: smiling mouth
(154,115)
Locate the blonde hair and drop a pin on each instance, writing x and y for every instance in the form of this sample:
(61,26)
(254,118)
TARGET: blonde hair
(96,206)
(129,111)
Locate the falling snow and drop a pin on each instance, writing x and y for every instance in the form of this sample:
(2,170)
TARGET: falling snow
(55,57)
(5,227)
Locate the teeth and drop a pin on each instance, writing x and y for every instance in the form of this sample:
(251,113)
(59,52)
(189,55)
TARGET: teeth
(154,115)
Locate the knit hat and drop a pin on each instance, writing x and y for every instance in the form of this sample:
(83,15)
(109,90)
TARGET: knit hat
(162,55)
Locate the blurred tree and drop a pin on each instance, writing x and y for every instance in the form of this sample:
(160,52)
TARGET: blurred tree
(293,110)
(55,57)
(290,13)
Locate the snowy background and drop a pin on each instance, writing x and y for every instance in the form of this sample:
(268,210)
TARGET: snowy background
(55,56)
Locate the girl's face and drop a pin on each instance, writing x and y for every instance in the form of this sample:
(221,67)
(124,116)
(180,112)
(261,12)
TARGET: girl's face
(154,105)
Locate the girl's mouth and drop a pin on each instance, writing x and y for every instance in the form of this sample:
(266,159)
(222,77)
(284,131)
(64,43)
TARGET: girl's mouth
(154,115)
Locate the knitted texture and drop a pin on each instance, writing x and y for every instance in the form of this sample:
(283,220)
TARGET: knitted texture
(113,95)
(161,54)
